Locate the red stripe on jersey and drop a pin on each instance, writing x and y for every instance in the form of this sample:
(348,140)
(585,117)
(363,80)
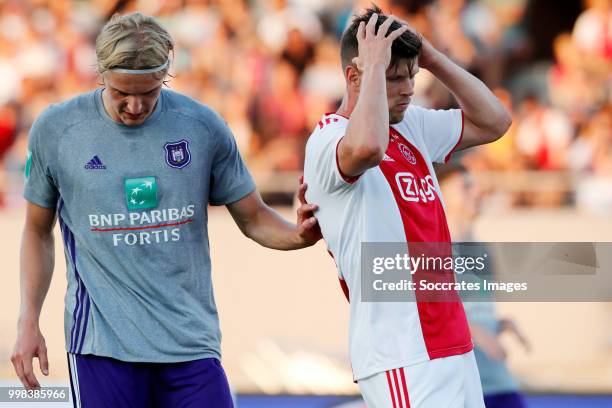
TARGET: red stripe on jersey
(448,156)
(345,289)
(443,324)
(335,113)
(397,388)
(391,389)
(343,284)
(145,227)
(326,120)
(407,400)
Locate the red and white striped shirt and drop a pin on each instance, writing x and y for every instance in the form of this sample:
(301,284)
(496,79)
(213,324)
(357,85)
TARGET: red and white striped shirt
(397,201)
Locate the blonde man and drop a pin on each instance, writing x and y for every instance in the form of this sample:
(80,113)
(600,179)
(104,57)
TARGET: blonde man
(129,169)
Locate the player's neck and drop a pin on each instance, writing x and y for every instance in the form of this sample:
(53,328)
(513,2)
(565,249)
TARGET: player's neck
(347,106)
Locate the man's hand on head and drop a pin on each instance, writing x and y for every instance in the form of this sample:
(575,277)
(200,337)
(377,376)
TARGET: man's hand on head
(428,52)
(375,47)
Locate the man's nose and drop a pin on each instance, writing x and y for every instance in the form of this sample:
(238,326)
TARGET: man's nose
(408,87)
(134,105)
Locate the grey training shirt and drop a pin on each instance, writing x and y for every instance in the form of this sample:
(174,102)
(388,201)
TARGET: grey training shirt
(132,204)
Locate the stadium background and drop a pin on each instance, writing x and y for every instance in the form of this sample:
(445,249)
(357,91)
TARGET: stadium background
(271,68)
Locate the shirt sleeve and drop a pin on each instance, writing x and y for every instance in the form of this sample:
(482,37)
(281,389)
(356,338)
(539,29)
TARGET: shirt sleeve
(442,132)
(40,186)
(230,179)
(322,159)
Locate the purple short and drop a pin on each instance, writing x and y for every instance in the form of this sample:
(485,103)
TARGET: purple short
(106,382)
(504,400)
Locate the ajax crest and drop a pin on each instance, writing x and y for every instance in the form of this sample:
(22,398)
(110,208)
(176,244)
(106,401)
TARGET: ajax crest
(407,153)
(177,154)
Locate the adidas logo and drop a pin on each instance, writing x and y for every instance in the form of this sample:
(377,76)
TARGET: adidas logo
(95,164)
(387,158)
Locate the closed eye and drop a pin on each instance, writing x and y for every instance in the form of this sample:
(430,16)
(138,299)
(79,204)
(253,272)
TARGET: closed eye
(123,94)
(398,78)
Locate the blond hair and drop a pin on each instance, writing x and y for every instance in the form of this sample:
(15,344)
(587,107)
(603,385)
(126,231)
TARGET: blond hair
(132,41)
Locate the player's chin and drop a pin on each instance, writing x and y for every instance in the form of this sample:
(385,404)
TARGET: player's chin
(396,114)
(133,121)
(396,117)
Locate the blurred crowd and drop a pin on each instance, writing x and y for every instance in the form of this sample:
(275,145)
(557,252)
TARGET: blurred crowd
(271,68)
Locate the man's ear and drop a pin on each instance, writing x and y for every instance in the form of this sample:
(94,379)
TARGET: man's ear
(101,81)
(353,76)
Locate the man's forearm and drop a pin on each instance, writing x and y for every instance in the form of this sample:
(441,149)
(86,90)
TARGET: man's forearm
(37,260)
(369,123)
(477,101)
(271,230)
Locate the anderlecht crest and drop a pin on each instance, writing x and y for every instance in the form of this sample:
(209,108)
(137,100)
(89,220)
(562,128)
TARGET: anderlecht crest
(177,154)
